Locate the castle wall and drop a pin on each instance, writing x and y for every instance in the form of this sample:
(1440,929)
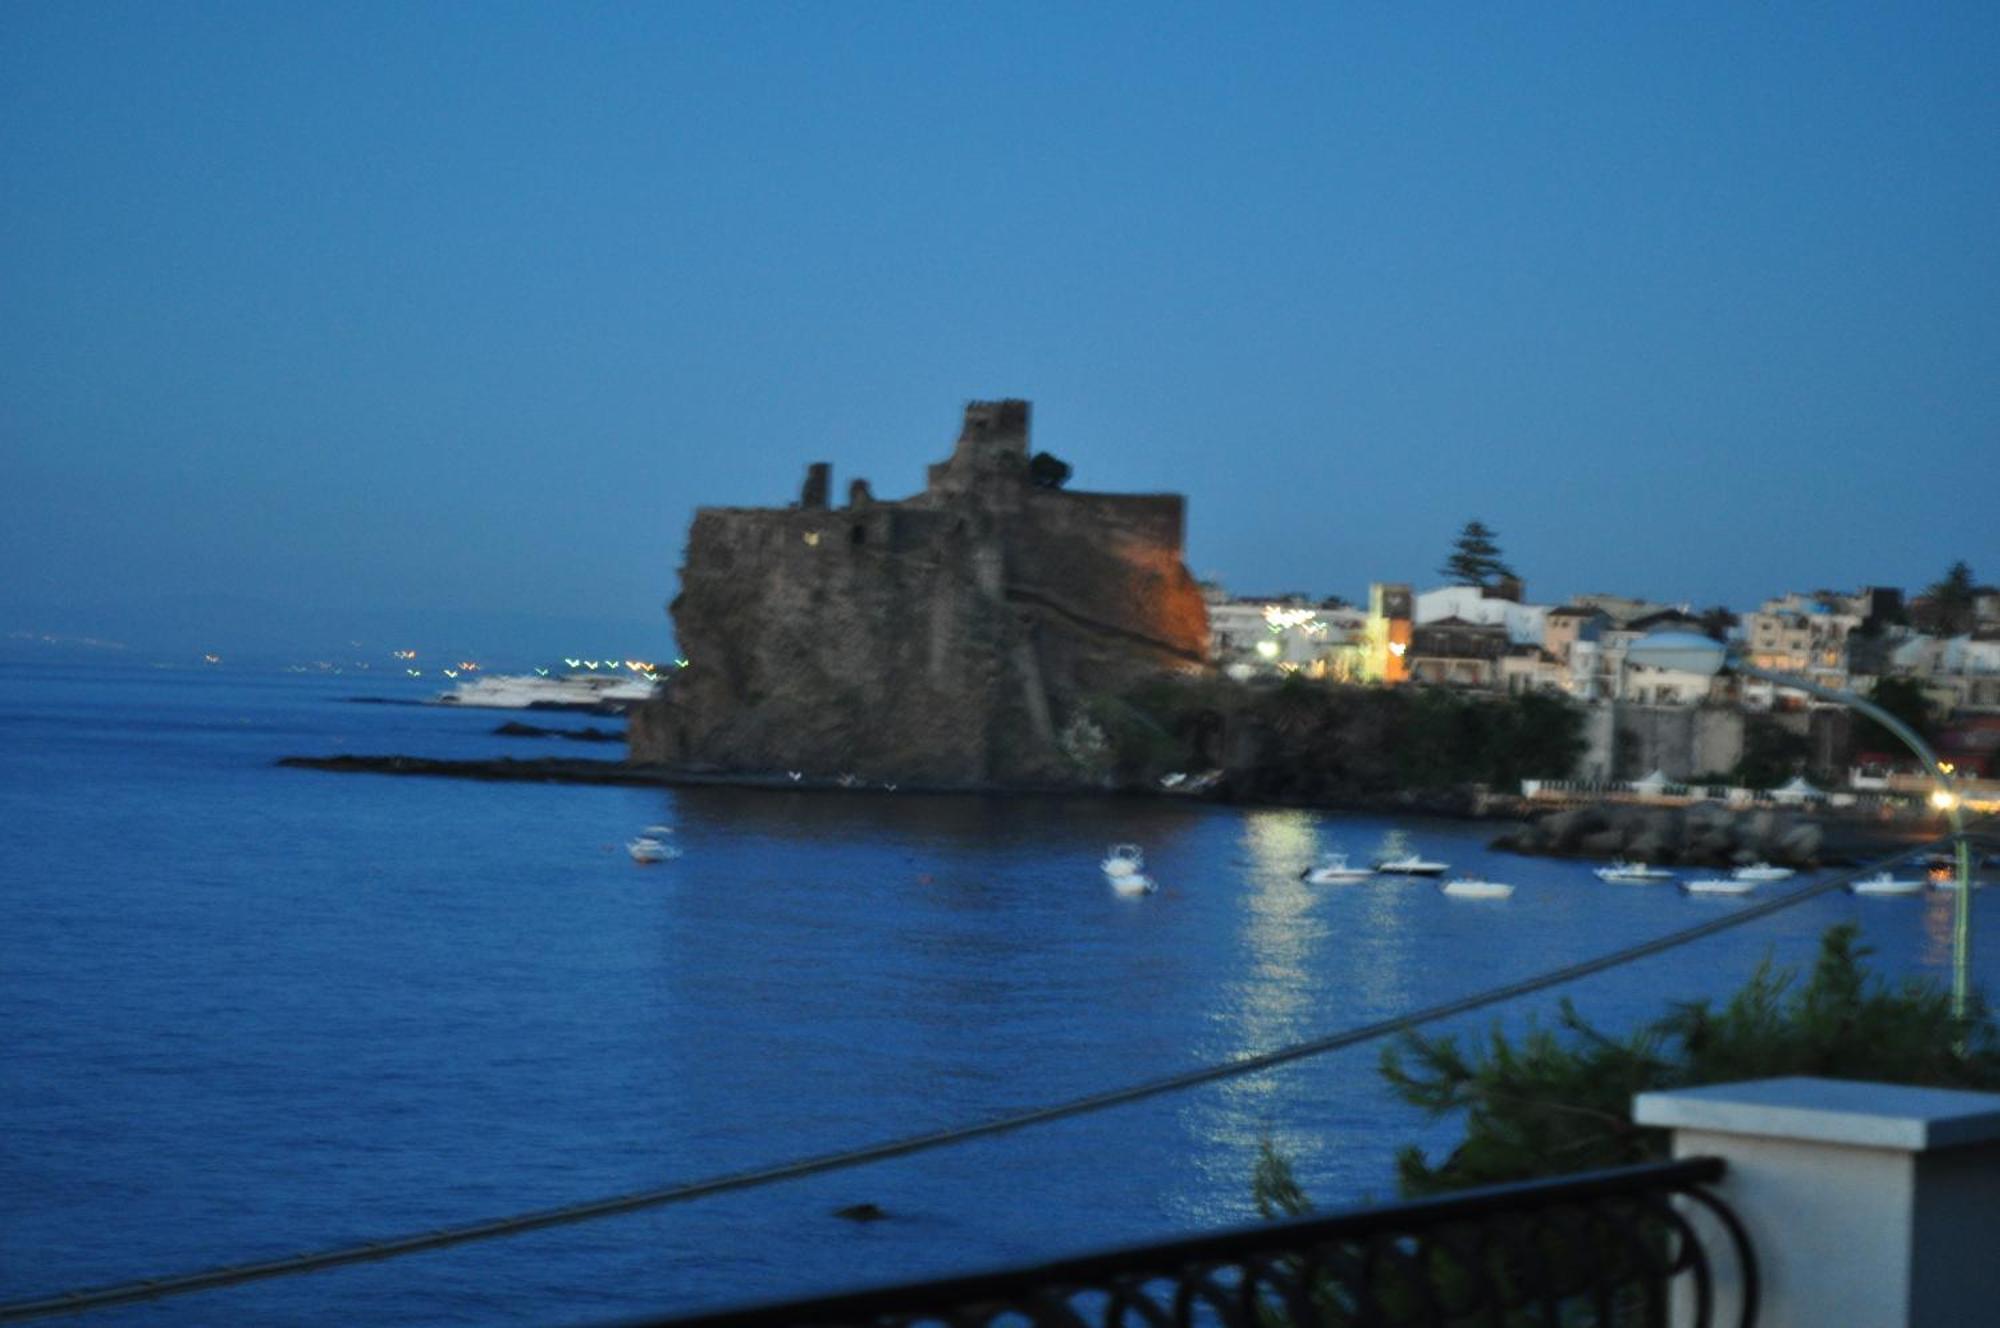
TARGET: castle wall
(943,637)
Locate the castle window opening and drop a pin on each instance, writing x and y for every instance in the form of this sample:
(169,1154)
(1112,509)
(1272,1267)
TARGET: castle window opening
(812,538)
(858,535)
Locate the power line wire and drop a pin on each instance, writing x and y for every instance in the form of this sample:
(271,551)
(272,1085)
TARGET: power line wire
(124,1293)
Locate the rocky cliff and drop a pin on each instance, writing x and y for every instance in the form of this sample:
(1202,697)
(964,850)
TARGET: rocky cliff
(946,637)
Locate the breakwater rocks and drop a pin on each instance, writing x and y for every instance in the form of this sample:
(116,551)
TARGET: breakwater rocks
(516,729)
(1704,834)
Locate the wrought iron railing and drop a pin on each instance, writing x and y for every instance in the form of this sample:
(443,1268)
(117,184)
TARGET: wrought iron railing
(1606,1249)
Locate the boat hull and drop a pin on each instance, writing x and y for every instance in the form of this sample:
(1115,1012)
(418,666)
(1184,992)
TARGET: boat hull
(1477,889)
(1730,887)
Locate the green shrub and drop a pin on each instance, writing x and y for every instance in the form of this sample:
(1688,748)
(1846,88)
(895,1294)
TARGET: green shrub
(1559,1100)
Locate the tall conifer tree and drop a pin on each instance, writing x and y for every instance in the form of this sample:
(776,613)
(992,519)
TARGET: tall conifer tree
(1475,557)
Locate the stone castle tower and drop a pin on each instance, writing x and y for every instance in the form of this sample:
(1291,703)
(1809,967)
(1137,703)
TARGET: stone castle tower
(944,637)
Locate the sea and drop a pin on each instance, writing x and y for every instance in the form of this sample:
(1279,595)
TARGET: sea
(248,1011)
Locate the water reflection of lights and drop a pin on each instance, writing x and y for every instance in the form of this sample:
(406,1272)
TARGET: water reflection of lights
(1307,950)
(1938,909)
(1269,1005)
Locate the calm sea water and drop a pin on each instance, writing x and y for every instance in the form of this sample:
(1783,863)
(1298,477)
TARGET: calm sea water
(247,1011)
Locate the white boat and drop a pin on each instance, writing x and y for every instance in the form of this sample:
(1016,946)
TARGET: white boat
(1949,881)
(1730,885)
(568,691)
(1332,869)
(1882,883)
(1133,883)
(1632,873)
(1473,887)
(1123,860)
(1412,864)
(1761,871)
(647,850)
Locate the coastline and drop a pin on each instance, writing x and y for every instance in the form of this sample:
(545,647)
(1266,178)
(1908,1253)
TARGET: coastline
(1512,816)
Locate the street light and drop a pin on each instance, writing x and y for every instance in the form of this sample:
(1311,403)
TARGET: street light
(1691,652)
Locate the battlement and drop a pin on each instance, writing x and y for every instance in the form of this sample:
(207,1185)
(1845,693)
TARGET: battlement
(992,450)
(1000,425)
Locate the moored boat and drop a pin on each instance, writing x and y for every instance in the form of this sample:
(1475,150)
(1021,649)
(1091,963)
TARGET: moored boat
(1395,857)
(1474,887)
(647,849)
(595,692)
(1412,864)
(1333,869)
(1882,883)
(1761,871)
(1633,873)
(1123,860)
(1729,885)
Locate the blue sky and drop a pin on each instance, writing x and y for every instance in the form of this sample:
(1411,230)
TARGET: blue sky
(331,320)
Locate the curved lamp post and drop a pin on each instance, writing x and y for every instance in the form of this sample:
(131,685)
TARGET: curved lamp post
(1690,652)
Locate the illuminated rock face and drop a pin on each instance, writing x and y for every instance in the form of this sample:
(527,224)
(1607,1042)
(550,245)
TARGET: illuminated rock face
(943,638)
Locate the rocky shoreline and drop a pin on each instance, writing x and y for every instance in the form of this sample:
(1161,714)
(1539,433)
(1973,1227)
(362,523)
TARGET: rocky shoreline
(1707,835)
(567,770)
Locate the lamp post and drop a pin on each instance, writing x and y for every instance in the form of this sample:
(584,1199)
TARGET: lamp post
(1692,653)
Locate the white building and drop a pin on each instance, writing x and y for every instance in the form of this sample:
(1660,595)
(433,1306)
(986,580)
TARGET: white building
(1270,635)
(1960,673)
(1525,623)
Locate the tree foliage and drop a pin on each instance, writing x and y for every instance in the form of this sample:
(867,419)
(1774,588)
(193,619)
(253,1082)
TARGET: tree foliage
(1772,753)
(1716,621)
(1558,1100)
(1306,741)
(1950,607)
(1475,557)
(1905,699)
(1046,470)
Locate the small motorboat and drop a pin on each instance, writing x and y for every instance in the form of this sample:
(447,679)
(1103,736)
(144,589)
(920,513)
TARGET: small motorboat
(1412,864)
(1473,887)
(1882,883)
(1729,885)
(1123,860)
(1332,869)
(1762,871)
(1949,881)
(1125,868)
(648,849)
(1395,857)
(1622,872)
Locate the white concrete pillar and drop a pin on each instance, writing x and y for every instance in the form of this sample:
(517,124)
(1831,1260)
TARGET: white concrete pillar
(1867,1205)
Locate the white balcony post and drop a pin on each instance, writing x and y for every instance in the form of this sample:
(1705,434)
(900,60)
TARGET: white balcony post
(1870,1205)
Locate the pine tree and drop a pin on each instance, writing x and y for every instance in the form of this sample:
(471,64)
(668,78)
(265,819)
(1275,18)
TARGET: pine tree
(1475,558)
(1951,601)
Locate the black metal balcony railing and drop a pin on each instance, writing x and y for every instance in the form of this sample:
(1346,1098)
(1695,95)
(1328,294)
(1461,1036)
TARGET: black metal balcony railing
(1604,1249)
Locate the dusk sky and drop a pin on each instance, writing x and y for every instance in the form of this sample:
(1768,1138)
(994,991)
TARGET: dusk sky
(398,318)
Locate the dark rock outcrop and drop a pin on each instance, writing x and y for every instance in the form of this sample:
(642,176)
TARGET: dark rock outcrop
(1702,834)
(946,637)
